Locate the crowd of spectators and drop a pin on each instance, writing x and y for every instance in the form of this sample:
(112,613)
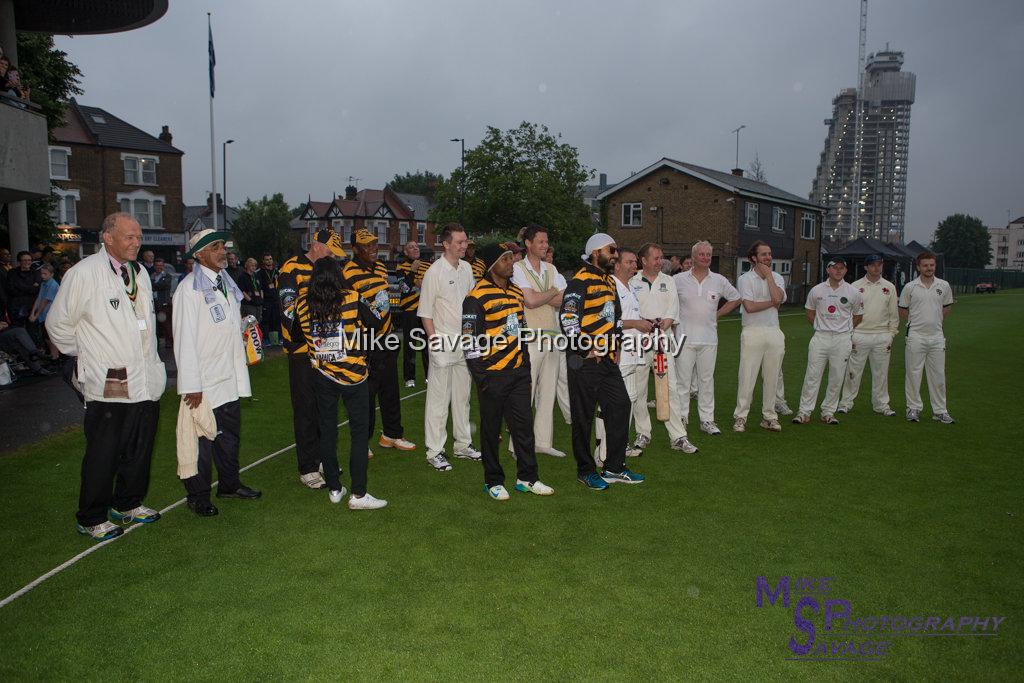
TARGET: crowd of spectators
(10,79)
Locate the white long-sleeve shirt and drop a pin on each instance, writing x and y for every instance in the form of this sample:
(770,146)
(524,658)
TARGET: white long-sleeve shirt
(881,313)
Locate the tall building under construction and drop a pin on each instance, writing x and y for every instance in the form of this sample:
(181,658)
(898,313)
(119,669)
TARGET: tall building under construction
(885,136)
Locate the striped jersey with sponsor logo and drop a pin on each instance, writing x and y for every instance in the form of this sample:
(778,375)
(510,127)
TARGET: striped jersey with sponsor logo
(293,279)
(409,284)
(334,349)
(497,314)
(372,286)
(590,312)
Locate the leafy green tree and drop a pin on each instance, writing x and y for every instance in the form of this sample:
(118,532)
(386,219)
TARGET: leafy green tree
(420,182)
(262,226)
(519,176)
(963,242)
(52,80)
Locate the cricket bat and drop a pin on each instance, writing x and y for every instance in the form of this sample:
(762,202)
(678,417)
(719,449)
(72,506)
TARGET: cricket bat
(661,382)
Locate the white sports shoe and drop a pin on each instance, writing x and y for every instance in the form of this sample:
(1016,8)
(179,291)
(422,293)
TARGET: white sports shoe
(336,496)
(631,452)
(652,404)
(887,412)
(683,444)
(496,492)
(440,463)
(711,428)
(313,480)
(468,453)
(410,384)
(913,415)
(537,487)
(365,502)
(782,408)
(553,452)
(944,418)
(642,441)
(739,424)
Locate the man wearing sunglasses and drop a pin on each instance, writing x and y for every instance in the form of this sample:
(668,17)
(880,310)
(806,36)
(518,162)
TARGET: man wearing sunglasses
(591,317)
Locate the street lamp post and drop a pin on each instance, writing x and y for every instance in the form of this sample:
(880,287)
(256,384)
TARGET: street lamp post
(462,181)
(737,131)
(224,190)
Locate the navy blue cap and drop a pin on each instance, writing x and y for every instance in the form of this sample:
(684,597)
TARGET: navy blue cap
(871,258)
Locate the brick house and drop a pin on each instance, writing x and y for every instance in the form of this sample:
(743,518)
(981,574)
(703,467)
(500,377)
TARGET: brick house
(100,164)
(394,217)
(676,204)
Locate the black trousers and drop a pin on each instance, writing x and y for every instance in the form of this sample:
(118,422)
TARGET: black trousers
(357,404)
(410,322)
(305,419)
(598,384)
(383,386)
(506,394)
(223,450)
(118,449)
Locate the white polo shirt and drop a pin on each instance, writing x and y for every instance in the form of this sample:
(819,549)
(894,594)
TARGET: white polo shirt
(924,306)
(880,313)
(834,308)
(441,294)
(755,289)
(698,305)
(657,299)
(630,311)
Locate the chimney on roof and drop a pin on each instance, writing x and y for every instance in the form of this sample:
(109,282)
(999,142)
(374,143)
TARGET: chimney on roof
(165,135)
(209,203)
(737,172)
(350,192)
(602,181)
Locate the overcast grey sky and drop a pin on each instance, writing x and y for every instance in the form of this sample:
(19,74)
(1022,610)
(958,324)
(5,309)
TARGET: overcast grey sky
(316,91)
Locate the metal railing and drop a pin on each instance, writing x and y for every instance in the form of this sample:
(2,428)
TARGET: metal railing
(964,280)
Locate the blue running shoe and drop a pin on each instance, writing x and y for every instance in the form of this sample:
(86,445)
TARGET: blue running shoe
(623,477)
(593,481)
(104,531)
(140,514)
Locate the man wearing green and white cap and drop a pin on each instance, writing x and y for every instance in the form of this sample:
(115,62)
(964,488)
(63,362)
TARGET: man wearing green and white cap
(212,368)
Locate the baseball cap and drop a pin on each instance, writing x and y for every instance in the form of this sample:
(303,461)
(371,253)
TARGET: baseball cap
(835,260)
(871,258)
(333,242)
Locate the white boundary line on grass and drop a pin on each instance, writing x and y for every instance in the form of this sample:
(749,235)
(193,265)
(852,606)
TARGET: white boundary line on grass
(85,553)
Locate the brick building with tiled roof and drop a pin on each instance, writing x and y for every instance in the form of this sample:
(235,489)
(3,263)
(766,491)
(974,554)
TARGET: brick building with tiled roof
(394,217)
(100,164)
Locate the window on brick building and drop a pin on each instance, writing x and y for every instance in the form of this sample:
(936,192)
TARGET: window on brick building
(632,215)
(403,232)
(421,233)
(65,210)
(752,210)
(346,227)
(382,232)
(807,226)
(139,170)
(778,219)
(147,209)
(59,163)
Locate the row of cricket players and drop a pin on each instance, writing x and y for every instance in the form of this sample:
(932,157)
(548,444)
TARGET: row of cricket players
(854,324)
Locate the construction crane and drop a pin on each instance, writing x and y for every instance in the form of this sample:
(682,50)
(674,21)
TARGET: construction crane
(858,123)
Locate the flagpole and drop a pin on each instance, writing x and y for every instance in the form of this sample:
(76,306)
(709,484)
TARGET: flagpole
(213,148)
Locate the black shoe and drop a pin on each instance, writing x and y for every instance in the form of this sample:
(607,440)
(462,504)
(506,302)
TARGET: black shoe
(203,508)
(242,491)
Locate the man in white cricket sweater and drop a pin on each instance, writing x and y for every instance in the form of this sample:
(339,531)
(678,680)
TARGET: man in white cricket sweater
(834,307)
(924,303)
(872,340)
(659,303)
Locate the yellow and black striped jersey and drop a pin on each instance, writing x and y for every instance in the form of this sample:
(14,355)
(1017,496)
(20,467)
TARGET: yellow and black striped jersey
(478,266)
(590,313)
(492,318)
(372,287)
(293,279)
(409,283)
(336,350)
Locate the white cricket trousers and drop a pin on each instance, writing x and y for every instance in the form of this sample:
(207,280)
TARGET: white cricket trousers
(873,348)
(544,375)
(695,367)
(629,373)
(449,385)
(563,388)
(638,394)
(826,348)
(761,352)
(928,354)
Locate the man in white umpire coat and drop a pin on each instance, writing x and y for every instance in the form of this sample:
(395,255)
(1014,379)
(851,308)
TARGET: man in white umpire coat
(103,317)
(210,356)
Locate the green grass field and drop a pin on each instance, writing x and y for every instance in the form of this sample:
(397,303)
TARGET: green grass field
(647,582)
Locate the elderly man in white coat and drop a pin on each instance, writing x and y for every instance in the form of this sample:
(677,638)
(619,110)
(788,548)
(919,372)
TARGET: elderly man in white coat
(103,316)
(211,363)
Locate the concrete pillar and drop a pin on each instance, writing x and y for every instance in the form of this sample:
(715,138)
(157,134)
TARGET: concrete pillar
(17,212)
